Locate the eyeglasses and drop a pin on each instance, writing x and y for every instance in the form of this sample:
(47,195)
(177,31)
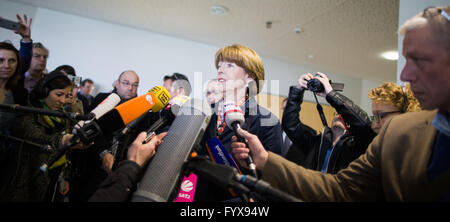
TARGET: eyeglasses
(433,11)
(127,84)
(381,115)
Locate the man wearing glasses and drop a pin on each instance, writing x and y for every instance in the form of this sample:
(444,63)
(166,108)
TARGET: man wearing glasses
(88,169)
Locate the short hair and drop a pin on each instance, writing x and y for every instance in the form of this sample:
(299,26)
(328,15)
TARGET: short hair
(244,57)
(87,81)
(40,46)
(436,18)
(67,69)
(181,81)
(121,74)
(12,81)
(391,93)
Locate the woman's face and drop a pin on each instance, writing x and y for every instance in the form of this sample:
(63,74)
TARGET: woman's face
(57,98)
(231,76)
(8,64)
(382,112)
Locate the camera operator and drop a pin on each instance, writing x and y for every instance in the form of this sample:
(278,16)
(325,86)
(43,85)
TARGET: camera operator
(335,147)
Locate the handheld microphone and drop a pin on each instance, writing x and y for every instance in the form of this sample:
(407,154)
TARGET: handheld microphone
(155,99)
(105,106)
(115,119)
(14,108)
(234,118)
(168,115)
(164,172)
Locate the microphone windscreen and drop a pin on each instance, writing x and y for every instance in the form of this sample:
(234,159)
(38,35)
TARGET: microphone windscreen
(155,99)
(233,113)
(165,170)
(106,105)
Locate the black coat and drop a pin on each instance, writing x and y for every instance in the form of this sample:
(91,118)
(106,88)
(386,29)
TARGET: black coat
(311,147)
(258,121)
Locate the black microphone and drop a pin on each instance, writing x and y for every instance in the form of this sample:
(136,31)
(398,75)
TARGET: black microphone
(34,110)
(164,172)
(167,116)
(265,189)
(83,129)
(115,119)
(234,118)
(227,177)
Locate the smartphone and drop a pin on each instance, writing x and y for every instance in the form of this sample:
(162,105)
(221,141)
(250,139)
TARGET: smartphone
(8,24)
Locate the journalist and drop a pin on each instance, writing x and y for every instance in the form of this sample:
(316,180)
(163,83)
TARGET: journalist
(339,144)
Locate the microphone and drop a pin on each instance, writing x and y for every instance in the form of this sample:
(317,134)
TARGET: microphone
(164,172)
(106,105)
(234,118)
(265,189)
(27,109)
(115,119)
(123,114)
(168,115)
(228,177)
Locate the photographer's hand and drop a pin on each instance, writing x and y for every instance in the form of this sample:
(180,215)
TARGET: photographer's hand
(303,80)
(325,82)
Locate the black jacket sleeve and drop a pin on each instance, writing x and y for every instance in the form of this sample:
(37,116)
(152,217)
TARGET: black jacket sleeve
(118,186)
(356,119)
(302,136)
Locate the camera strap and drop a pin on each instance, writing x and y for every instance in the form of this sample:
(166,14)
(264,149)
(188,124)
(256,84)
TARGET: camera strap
(320,110)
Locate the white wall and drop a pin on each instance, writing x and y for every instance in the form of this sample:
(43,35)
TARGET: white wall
(100,51)
(408,9)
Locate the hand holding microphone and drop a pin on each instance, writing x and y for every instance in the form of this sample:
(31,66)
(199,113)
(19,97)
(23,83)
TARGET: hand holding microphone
(234,117)
(114,118)
(141,152)
(241,150)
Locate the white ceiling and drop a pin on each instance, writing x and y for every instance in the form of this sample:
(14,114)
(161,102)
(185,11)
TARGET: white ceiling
(343,36)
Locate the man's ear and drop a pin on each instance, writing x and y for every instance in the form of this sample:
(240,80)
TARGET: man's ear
(116,83)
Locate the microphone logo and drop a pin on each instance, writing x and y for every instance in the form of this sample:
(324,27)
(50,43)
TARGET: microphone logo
(187,186)
(149,99)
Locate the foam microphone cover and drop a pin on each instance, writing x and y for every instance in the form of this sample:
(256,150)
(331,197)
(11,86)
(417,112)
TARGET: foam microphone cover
(106,105)
(164,172)
(155,99)
(233,114)
(123,114)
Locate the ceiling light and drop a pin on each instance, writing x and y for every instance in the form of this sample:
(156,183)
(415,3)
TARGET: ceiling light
(390,55)
(218,10)
(298,30)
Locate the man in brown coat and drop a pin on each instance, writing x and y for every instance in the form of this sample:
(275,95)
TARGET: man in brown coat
(409,160)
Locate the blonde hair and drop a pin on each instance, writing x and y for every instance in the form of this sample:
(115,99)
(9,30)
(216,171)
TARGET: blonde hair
(244,57)
(391,93)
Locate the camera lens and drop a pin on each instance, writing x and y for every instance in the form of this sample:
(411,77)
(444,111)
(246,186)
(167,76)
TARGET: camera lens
(315,85)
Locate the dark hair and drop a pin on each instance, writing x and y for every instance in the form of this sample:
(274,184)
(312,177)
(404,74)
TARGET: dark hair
(12,81)
(67,69)
(51,81)
(185,84)
(87,81)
